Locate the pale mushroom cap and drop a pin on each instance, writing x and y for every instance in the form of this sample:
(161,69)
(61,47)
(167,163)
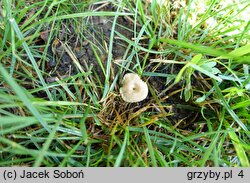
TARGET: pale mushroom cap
(133,88)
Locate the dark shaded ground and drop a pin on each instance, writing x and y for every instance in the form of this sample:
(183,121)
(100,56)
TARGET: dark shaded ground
(94,41)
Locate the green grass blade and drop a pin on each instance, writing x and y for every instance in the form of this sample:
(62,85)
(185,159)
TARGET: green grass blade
(26,47)
(14,162)
(204,71)
(64,161)
(150,147)
(212,146)
(46,145)
(239,150)
(23,97)
(195,47)
(238,147)
(17,148)
(242,104)
(110,55)
(228,108)
(238,52)
(209,50)
(122,151)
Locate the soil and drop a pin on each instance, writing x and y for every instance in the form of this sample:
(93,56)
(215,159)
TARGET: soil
(96,34)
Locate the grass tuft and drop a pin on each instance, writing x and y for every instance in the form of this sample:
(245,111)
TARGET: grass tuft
(61,67)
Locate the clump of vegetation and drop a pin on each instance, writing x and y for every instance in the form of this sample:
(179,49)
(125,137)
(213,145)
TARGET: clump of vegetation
(61,69)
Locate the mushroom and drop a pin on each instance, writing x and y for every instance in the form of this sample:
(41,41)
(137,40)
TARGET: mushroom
(133,88)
